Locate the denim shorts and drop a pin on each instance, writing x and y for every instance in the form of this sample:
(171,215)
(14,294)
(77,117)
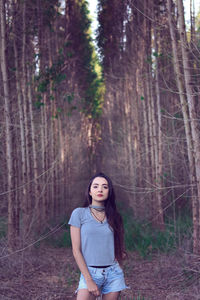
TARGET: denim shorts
(110,279)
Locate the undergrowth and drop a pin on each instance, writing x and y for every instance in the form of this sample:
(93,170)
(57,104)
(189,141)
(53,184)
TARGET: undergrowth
(3,227)
(60,239)
(146,240)
(140,236)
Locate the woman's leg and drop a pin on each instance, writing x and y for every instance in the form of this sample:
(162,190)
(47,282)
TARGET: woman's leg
(111,296)
(83,294)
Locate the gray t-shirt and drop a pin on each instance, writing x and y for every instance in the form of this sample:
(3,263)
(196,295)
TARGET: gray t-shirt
(97,239)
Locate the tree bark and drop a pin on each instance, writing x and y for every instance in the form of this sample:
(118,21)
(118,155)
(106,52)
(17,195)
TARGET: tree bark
(192,111)
(9,138)
(36,190)
(158,145)
(187,127)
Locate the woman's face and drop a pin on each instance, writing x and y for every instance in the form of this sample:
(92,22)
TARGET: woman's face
(99,190)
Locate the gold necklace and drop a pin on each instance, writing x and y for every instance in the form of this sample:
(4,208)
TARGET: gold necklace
(101,221)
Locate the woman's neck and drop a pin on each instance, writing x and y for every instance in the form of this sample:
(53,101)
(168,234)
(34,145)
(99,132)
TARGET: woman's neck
(98,203)
(97,207)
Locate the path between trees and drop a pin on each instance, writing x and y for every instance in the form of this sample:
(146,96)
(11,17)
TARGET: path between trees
(51,274)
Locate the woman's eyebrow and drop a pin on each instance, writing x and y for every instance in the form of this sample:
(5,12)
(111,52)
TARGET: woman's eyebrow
(98,184)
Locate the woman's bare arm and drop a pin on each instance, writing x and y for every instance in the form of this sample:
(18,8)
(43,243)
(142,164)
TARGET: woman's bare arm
(76,249)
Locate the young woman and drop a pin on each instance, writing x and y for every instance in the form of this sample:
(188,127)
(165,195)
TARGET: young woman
(97,242)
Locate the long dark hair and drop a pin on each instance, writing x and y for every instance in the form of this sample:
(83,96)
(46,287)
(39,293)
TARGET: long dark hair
(112,215)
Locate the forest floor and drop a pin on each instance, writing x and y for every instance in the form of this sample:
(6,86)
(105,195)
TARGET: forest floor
(50,273)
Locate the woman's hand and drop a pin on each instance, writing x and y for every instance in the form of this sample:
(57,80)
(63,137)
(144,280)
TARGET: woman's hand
(93,288)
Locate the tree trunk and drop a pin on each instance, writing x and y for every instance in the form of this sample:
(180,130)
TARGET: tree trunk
(37,208)
(158,145)
(192,111)
(9,138)
(187,127)
(151,170)
(22,169)
(28,199)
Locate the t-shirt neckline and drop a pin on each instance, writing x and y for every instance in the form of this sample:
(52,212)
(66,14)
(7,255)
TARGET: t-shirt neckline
(93,218)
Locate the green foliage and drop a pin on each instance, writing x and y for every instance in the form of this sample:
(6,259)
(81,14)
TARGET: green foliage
(147,240)
(93,84)
(50,80)
(38,104)
(112,16)
(72,275)
(149,60)
(64,240)
(68,97)
(178,115)
(70,111)
(162,110)
(157,54)
(139,236)
(59,78)
(49,11)
(60,239)
(88,72)
(55,73)
(3,227)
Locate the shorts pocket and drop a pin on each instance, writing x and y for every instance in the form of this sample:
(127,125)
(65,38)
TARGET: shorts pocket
(95,273)
(118,270)
(92,270)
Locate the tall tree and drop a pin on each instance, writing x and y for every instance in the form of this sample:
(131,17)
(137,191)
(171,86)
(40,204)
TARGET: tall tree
(12,234)
(184,106)
(191,101)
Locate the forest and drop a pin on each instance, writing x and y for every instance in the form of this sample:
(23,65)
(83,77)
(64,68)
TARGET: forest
(126,104)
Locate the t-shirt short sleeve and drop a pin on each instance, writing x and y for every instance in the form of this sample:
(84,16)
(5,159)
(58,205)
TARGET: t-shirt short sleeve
(75,219)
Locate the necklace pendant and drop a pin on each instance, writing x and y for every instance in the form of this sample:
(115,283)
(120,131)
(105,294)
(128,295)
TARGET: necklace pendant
(100,221)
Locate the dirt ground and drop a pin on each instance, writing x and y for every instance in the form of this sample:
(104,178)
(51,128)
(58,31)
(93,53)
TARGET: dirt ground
(51,274)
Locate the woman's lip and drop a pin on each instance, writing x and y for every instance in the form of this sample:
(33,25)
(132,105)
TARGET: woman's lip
(99,195)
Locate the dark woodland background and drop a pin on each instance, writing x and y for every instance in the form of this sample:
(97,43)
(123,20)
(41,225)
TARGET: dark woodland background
(130,109)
